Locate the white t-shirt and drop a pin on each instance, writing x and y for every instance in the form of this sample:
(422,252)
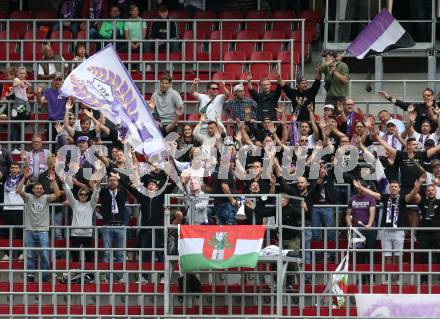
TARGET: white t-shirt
(215,108)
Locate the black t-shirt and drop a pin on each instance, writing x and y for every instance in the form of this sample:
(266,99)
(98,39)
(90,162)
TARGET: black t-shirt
(264,184)
(217,185)
(409,173)
(391,170)
(394,211)
(429,218)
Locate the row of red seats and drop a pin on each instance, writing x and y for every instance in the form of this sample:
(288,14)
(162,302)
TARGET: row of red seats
(150,288)
(107,310)
(217,49)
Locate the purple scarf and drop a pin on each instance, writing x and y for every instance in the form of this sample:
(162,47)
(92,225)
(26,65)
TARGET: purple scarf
(42,165)
(95,9)
(294,134)
(12,182)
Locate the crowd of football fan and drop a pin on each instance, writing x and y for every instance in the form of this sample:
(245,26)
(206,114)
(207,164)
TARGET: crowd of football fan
(231,118)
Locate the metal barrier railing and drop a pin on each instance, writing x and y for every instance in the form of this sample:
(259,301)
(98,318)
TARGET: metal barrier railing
(264,289)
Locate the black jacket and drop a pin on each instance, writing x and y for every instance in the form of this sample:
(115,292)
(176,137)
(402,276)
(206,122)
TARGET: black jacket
(159,30)
(105,198)
(152,208)
(422,114)
(329,188)
(266,103)
(300,100)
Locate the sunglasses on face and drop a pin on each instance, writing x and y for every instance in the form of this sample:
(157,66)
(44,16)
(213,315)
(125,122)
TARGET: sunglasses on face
(214,88)
(83,194)
(303,140)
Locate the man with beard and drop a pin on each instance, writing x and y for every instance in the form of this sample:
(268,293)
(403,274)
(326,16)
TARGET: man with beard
(302,96)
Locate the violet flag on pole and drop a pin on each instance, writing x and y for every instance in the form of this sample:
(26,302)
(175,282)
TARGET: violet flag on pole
(103,83)
(382,34)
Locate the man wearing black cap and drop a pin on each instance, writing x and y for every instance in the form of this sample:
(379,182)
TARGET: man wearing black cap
(302,95)
(336,78)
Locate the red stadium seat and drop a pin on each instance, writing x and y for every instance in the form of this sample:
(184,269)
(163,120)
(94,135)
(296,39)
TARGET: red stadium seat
(259,26)
(179,14)
(28,47)
(223,76)
(20,14)
(311,16)
(57,46)
(218,49)
(8,45)
(235,68)
(261,68)
(296,36)
(273,47)
(285,26)
(205,25)
(189,46)
(233,26)
(246,47)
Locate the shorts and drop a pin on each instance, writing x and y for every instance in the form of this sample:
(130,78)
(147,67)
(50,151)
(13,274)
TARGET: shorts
(392,241)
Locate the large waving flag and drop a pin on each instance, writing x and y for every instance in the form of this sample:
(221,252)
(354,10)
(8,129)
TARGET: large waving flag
(103,83)
(219,247)
(382,34)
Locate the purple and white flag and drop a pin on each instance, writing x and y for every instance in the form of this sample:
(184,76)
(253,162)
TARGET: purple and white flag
(382,34)
(103,83)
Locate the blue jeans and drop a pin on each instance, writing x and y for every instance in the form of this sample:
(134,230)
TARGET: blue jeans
(225,214)
(307,240)
(58,219)
(37,239)
(323,217)
(146,241)
(113,238)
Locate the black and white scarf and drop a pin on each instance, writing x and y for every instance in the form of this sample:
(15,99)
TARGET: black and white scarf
(393,211)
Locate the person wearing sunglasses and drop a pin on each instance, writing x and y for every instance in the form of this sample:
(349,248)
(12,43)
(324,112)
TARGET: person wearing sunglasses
(424,110)
(212,102)
(83,210)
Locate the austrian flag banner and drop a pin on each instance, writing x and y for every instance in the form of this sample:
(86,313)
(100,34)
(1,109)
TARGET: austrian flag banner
(219,247)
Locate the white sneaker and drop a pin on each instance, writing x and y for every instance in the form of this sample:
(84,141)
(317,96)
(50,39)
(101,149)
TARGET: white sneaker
(121,281)
(162,280)
(147,68)
(21,257)
(142,281)
(5,258)
(16,152)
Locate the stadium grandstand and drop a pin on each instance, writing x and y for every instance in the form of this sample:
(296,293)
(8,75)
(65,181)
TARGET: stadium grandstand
(273,113)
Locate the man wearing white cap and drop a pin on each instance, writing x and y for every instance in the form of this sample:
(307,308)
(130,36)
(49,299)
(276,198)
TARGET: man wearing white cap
(240,105)
(392,136)
(329,110)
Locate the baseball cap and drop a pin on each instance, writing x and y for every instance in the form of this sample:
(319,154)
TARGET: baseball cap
(151,180)
(83,138)
(328,52)
(57,76)
(435,162)
(391,122)
(301,79)
(238,87)
(329,106)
